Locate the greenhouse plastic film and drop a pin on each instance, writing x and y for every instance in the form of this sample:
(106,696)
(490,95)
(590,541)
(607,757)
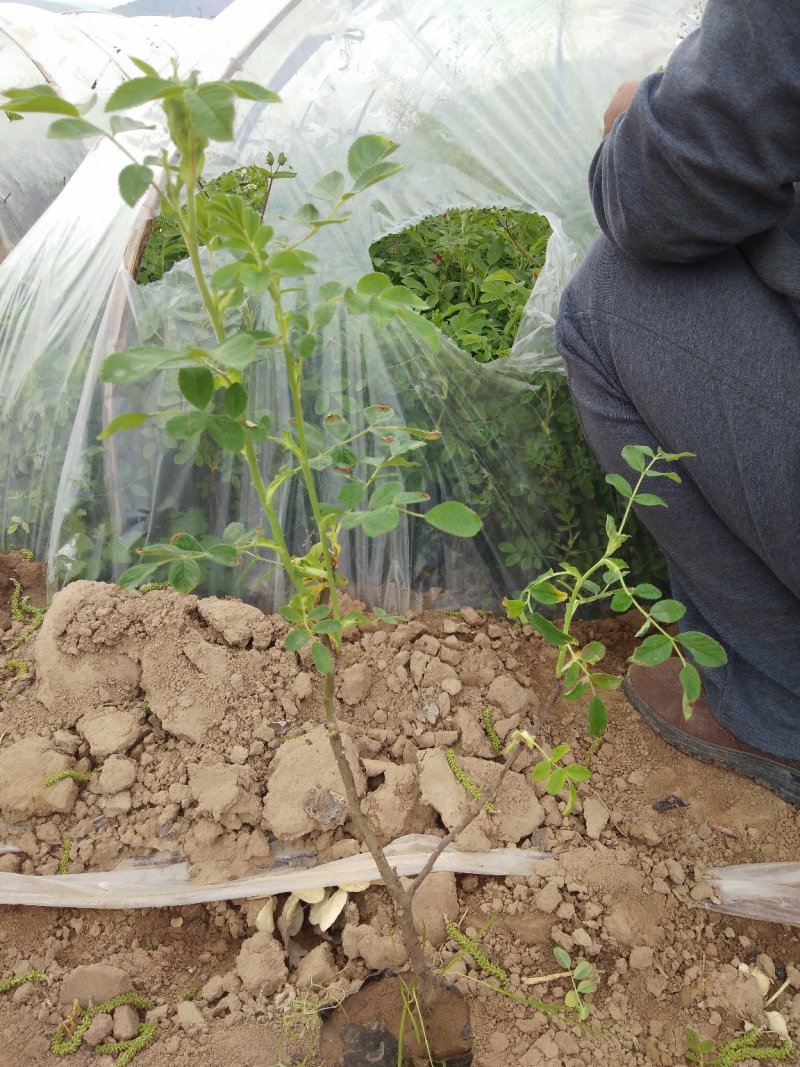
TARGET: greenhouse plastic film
(493,106)
(71,53)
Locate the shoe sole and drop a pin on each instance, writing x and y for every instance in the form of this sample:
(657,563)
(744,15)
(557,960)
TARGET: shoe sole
(777,777)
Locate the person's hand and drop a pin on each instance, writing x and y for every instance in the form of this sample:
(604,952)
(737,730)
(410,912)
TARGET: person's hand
(620,102)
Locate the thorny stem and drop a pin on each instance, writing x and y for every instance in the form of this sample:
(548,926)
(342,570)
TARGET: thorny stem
(401,898)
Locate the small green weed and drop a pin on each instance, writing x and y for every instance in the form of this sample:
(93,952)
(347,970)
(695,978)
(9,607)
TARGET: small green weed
(17,666)
(126,1050)
(22,610)
(69,1036)
(150,587)
(480,959)
(17,980)
(301,1027)
(192,994)
(488,726)
(77,776)
(464,779)
(66,850)
(748,1046)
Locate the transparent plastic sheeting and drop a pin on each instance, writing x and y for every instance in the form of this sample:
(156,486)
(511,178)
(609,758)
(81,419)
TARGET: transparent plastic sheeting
(161,885)
(493,105)
(76,54)
(769,891)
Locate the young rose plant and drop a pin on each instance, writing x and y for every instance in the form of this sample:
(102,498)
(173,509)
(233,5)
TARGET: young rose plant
(239,261)
(607,581)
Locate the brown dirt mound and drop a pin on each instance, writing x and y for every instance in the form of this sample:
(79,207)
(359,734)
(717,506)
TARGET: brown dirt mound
(202,733)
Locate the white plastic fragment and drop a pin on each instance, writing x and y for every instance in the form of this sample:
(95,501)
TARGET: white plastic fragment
(777,1024)
(768,891)
(165,886)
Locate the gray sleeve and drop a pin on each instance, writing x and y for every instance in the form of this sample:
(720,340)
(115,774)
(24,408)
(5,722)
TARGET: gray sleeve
(707,152)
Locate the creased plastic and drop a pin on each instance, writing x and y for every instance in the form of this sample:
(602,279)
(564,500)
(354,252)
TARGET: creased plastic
(158,886)
(79,53)
(769,891)
(493,105)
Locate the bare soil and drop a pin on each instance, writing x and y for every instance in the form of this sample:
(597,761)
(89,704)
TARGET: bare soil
(204,737)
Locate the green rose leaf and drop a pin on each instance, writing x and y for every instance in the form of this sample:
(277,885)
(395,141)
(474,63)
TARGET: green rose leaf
(668,611)
(248,90)
(593,652)
(650,500)
(235,400)
(128,421)
(321,655)
(72,129)
(653,650)
(597,717)
(707,651)
(134,576)
(134,181)
(380,521)
(634,456)
(227,432)
(619,484)
(223,554)
(454,518)
(297,639)
(197,385)
(621,601)
(549,632)
(138,91)
(133,364)
(188,425)
(606,681)
(691,683)
(562,958)
(351,494)
(558,780)
(212,109)
(645,591)
(367,151)
(184,575)
(576,772)
(186,542)
(123,124)
(386,493)
(546,593)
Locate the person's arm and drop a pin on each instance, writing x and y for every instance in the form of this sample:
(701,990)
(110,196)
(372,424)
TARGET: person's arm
(706,153)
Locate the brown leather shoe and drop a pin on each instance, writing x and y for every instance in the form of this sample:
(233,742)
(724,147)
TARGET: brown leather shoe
(655,692)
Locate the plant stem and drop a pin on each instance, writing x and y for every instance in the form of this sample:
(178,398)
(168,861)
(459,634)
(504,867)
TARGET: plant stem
(271,514)
(302,441)
(401,898)
(191,238)
(549,704)
(470,817)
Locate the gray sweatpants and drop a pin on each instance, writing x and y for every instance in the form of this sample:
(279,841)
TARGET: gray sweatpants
(704,358)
